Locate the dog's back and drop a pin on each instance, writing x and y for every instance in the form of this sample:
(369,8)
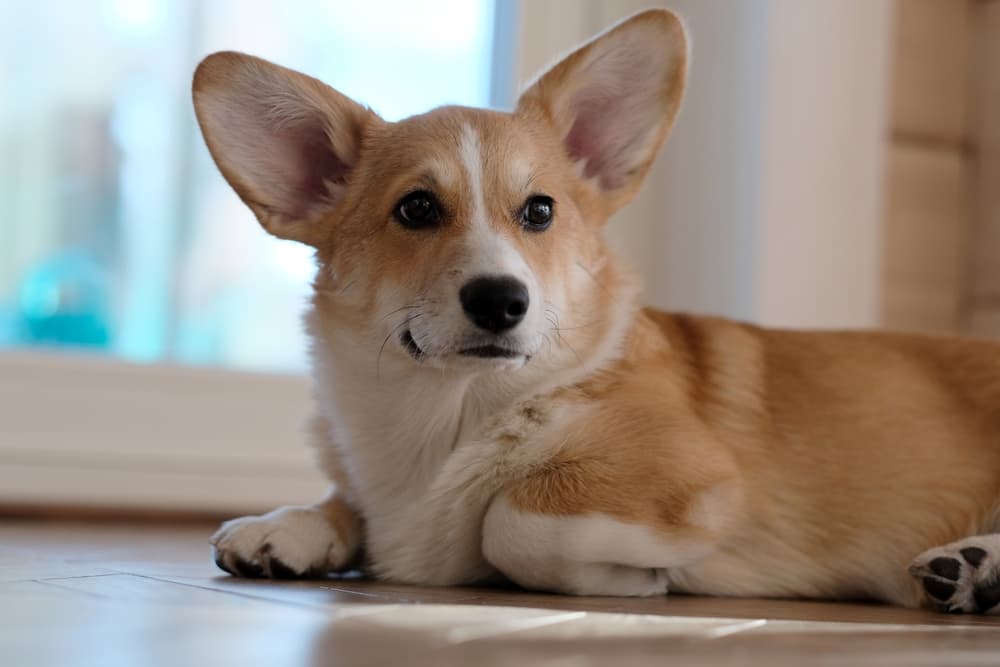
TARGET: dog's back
(857,450)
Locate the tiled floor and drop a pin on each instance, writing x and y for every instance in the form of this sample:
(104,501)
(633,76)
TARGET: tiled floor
(113,594)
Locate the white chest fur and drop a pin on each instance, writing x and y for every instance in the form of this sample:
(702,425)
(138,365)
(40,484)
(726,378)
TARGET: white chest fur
(394,438)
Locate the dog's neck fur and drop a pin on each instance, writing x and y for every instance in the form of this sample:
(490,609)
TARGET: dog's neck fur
(394,422)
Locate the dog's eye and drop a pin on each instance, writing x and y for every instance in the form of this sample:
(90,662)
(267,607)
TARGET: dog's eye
(416,210)
(537,213)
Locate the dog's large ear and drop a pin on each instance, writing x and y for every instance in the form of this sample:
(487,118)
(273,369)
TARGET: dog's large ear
(613,100)
(285,142)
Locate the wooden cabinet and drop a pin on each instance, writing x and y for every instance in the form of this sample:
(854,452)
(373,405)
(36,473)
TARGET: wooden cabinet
(982,316)
(941,261)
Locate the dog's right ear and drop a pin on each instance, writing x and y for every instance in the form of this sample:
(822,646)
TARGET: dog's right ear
(284,141)
(613,101)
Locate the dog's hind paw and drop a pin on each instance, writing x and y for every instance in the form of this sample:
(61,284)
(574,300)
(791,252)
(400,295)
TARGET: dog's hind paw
(962,577)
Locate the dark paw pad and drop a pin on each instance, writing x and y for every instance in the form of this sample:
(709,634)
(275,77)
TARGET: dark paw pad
(987,596)
(973,555)
(947,568)
(222,565)
(281,571)
(276,566)
(239,567)
(937,589)
(249,569)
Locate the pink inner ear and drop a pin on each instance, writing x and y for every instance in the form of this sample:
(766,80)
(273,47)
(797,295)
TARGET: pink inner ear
(276,141)
(614,113)
(314,164)
(289,159)
(586,141)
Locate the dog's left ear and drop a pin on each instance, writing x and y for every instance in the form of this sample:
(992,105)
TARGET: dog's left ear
(613,101)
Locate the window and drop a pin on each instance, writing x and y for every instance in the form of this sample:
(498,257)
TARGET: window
(118,235)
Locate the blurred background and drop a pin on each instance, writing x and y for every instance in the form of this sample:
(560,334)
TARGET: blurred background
(836,164)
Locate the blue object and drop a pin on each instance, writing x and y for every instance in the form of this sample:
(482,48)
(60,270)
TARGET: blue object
(64,301)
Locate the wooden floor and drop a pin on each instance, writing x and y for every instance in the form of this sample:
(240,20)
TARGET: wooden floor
(130,594)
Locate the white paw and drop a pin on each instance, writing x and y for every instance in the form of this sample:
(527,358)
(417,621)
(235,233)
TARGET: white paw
(657,585)
(615,580)
(290,542)
(963,576)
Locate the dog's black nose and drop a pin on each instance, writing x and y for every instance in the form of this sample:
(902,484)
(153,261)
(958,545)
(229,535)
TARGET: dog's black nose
(494,303)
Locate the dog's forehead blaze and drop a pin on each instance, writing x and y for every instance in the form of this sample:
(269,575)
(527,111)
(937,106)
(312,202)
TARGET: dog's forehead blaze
(482,165)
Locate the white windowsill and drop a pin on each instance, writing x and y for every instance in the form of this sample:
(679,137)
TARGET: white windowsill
(76,430)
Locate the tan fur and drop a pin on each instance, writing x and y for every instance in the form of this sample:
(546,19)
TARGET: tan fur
(810,463)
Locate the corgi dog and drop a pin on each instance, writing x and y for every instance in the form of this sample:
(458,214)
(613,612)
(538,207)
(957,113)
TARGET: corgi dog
(494,404)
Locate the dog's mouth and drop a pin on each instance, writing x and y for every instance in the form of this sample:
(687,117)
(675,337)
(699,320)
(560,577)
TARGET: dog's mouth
(489,351)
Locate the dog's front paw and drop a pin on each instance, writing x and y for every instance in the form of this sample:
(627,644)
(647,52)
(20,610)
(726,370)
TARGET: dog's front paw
(288,543)
(963,576)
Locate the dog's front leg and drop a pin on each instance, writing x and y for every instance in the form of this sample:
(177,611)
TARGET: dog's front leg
(439,539)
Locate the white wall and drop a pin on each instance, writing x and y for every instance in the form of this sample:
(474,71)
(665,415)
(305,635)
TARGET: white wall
(825,127)
(766,204)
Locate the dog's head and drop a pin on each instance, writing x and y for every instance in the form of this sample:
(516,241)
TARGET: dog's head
(461,238)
